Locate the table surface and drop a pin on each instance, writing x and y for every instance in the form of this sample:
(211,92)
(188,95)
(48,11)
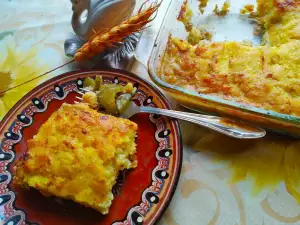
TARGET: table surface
(223,181)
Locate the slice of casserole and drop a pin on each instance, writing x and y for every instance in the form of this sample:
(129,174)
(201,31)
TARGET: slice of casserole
(77,155)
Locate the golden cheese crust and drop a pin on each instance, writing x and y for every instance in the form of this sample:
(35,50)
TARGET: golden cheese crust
(265,77)
(281,20)
(77,155)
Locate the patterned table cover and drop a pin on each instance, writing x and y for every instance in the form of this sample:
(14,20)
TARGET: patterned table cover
(223,181)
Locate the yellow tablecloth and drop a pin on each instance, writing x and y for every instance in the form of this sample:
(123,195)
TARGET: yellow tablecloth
(223,181)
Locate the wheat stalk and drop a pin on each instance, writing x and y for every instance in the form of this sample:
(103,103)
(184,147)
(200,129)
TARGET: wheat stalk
(102,40)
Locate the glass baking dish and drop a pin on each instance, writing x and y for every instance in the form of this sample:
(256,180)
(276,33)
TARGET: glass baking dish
(233,27)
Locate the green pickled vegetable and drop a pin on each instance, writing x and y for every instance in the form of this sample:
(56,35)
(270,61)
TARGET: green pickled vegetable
(107,96)
(122,101)
(98,83)
(89,83)
(113,98)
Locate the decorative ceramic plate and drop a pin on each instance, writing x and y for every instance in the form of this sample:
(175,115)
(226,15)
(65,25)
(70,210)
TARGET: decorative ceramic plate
(141,195)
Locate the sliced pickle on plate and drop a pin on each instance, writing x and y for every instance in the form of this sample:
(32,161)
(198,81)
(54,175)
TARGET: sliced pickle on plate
(122,101)
(98,83)
(89,83)
(107,97)
(113,98)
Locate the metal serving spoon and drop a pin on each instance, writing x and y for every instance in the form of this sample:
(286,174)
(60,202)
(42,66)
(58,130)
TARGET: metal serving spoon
(225,126)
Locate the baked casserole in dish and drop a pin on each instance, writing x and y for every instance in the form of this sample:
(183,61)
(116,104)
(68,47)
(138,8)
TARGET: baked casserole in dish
(254,83)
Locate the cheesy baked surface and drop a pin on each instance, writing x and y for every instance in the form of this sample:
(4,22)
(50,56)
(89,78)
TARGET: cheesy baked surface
(280,19)
(77,155)
(266,76)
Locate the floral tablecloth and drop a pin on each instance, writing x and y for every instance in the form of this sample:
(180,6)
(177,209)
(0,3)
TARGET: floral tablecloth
(223,181)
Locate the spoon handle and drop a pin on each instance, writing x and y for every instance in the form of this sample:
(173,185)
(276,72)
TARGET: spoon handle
(225,126)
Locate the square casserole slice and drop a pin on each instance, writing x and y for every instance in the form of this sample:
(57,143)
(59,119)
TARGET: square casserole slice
(77,155)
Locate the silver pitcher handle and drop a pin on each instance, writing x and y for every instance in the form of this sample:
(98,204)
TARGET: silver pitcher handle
(81,9)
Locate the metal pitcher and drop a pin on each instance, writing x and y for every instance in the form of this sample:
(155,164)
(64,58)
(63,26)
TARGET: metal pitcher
(96,15)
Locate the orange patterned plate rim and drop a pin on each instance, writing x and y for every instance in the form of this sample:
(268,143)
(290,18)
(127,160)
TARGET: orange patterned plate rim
(141,195)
